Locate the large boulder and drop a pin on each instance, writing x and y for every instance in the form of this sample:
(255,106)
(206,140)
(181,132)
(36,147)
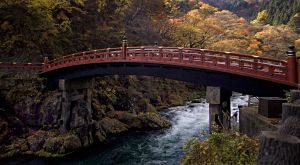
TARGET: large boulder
(38,138)
(54,145)
(129,119)
(154,121)
(71,142)
(112,126)
(62,144)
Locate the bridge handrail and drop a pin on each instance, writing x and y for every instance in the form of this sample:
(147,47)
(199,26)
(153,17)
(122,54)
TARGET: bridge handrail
(190,51)
(22,65)
(243,64)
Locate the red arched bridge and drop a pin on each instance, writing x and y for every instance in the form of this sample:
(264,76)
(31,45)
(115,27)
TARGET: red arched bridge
(240,72)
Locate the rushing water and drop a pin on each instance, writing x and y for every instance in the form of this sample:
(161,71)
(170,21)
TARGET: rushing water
(151,148)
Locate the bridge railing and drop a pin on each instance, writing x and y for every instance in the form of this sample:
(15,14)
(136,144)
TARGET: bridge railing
(242,64)
(31,67)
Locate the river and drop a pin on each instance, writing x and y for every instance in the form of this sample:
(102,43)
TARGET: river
(151,148)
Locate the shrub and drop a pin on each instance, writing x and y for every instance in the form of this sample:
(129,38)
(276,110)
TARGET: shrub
(221,148)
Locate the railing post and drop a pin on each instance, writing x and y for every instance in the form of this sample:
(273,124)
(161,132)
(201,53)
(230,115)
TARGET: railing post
(46,60)
(292,65)
(160,53)
(255,63)
(227,59)
(124,47)
(180,50)
(202,56)
(143,51)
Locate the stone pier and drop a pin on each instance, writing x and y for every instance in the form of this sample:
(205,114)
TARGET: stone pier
(75,92)
(219,107)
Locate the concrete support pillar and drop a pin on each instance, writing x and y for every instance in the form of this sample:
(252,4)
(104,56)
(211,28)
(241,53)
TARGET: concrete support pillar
(73,91)
(219,108)
(65,107)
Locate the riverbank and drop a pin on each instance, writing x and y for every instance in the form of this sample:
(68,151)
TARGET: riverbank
(162,146)
(30,114)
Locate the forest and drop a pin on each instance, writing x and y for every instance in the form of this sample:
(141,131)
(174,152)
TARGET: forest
(33,29)
(31,113)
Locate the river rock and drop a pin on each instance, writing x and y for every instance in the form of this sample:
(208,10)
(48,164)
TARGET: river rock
(153,121)
(62,144)
(54,145)
(71,142)
(38,138)
(99,111)
(112,126)
(129,119)
(85,135)
(17,146)
(4,130)
(50,110)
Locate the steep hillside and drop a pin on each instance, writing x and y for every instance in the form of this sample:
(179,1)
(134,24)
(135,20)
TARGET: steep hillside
(281,11)
(244,8)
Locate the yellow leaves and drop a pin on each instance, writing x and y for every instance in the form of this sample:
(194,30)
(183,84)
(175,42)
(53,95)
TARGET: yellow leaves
(261,18)
(101,5)
(297,45)
(206,9)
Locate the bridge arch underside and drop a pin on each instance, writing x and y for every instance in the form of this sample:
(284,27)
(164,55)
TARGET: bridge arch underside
(232,82)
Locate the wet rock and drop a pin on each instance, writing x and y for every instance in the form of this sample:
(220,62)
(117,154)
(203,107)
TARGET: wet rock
(71,142)
(153,121)
(85,135)
(17,127)
(16,147)
(100,136)
(51,109)
(54,145)
(112,126)
(99,110)
(129,119)
(4,131)
(36,142)
(37,139)
(79,115)
(62,144)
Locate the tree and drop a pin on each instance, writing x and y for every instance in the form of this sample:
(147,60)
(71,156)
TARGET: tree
(274,40)
(295,22)
(261,19)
